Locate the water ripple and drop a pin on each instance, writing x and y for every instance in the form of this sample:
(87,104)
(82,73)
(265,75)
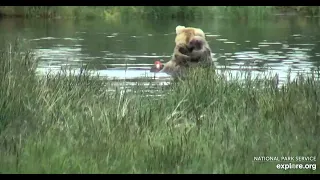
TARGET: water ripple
(275,56)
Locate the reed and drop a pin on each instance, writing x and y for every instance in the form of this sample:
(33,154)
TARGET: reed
(63,123)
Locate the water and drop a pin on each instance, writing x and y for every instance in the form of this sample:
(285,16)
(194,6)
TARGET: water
(128,50)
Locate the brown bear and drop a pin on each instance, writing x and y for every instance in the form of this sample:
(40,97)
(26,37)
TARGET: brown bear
(199,51)
(184,36)
(191,50)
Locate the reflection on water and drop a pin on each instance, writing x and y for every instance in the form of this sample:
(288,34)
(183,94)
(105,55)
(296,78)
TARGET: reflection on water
(128,50)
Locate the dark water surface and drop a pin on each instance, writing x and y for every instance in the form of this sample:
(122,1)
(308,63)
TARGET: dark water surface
(127,50)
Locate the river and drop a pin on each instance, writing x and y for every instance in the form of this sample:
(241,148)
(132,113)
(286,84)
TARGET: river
(127,50)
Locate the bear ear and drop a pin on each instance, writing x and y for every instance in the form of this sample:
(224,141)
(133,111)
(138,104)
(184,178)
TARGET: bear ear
(179,29)
(199,32)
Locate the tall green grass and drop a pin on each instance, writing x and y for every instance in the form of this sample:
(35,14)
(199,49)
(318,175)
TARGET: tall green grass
(61,123)
(152,12)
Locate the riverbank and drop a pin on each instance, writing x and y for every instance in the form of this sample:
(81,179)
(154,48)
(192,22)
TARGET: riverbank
(69,124)
(154,12)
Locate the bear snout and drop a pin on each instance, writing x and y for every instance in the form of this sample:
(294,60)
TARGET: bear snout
(195,44)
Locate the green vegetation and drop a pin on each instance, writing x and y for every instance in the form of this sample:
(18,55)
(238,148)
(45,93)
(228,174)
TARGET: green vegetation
(72,124)
(153,12)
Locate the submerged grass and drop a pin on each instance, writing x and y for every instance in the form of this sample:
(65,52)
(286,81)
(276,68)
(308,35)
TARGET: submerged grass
(115,13)
(72,124)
